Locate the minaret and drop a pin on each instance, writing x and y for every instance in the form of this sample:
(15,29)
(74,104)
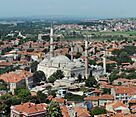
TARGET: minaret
(51,42)
(72,50)
(86,59)
(104,61)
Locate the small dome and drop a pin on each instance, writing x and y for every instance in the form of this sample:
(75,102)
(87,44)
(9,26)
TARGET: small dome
(61,59)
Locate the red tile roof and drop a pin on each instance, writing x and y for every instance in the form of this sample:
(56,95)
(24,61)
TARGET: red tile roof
(64,111)
(91,98)
(14,77)
(81,112)
(106,97)
(59,100)
(117,104)
(130,90)
(11,77)
(96,91)
(96,98)
(30,108)
(5,63)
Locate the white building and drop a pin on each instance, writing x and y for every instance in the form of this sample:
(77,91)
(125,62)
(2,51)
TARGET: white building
(63,63)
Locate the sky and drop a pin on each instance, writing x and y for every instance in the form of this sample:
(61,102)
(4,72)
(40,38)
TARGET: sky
(71,8)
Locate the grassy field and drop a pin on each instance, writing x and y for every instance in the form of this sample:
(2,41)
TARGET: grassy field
(129,35)
(124,33)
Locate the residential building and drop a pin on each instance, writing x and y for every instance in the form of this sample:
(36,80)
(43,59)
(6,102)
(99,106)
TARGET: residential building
(117,107)
(124,93)
(29,110)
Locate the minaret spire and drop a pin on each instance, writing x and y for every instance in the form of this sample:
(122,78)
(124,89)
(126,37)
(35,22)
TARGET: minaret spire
(86,59)
(51,41)
(104,61)
(72,51)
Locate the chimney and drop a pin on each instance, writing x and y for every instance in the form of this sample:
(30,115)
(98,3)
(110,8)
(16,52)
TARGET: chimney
(29,105)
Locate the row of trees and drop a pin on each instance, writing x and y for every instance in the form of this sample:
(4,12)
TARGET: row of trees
(56,75)
(115,74)
(39,76)
(8,69)
(7,49)
(123,55)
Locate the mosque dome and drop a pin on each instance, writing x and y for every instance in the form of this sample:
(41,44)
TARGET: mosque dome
(61,59)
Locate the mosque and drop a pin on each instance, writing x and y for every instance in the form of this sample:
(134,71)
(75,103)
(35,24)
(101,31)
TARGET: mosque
(72,67)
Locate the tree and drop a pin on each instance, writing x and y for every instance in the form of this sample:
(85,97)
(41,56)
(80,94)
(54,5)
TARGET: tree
(68,55)
(30,50)
(3,85)
(123,58)
(79,78)
(91,82)
(73,97)
(42,98)
(53,110)
(59,74)
(91,62)
(46,50)
(78,55)
(131,75)
(6,101)
(52,78)
(22,92)
(98,111)
(114,75)
(34,66)
(52,92)
(119,83)
(39,76)
(56,75)
(106,91)
(130,49)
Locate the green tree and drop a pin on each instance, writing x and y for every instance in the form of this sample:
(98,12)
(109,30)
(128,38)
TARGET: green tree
(79,78)
(39,76)
(130,49)
(59,74)
(42,98)
(131,75)
(106,91)
(123,58)
(53,110)
(30,50)
(114,75)
(33,66)
(91,62)
(78,55)
(22,92)
(119,83)
(98,111)
(72,97)
(52,78)
(52,92)
(6,101)
(56,75)
(3,85)
(91,82)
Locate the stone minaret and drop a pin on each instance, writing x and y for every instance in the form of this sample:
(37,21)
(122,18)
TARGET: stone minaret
(72,50)
(104,61)
(86,59)
(51,42)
